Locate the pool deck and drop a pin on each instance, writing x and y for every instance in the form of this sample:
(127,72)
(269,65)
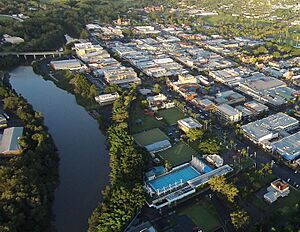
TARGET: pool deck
(174,179)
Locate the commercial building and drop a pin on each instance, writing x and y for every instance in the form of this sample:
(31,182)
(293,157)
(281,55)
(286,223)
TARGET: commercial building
(256,107)
(277,189)
(205,103)
(229,97)
(72,64)
(263,130)
(262,88)
(228,114)
(288,147)
(10,141)
(82,49)
(121,75)
(106,99)
(188,123)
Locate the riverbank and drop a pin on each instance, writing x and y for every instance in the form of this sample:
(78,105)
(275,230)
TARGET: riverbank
(80,144)
(65,80)
(124,197)
(28,181)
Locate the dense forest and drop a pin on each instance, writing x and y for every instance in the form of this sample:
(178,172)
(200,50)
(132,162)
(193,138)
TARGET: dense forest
(125,195)
(27,181)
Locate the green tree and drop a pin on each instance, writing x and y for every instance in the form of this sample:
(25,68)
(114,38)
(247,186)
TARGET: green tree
(156,88)
(210,146)
(239,219)
(194,134)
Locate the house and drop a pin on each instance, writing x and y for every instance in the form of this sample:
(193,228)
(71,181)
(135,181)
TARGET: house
(188,123)
(278,188)
(10,141)
(228,114)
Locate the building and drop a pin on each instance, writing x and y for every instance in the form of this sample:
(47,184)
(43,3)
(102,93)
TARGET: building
(188,123)
(121,75)
(288,147)
(256,107)
(205,103)
(12,39)
(159,101)
(72,64)
(153,140)
(262,88)
(229,97)
(82,49)
(106,99)
(263,130)
(180,182)
(277,189)
(228,114)
(215,160)
(10,141)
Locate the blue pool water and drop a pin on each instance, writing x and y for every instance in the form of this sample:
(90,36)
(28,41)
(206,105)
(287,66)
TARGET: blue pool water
(185,174)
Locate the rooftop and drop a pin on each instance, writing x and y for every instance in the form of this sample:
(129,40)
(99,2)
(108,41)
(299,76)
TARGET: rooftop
(289,146)
(190,123)
(10,139)
(228,110)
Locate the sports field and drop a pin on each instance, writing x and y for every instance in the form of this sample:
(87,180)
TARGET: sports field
(149,137)
(178,154)
(204,215)
(139,121)
(172,115)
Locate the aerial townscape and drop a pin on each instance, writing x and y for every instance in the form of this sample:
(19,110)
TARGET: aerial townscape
(149,116)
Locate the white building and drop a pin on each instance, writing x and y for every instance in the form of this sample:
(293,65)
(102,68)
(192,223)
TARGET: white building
(228,113)
(188,123)
(277,189)
(106,99)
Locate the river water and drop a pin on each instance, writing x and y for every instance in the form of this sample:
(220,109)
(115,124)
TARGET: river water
(83,156)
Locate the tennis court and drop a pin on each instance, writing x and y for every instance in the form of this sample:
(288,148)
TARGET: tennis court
(173,179)
(149,137)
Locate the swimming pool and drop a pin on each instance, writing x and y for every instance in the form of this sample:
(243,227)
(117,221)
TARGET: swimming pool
(169,180)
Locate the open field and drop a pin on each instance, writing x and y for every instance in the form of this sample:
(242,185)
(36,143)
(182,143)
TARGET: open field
(150,136)
(178,154)
(172,115)
(139,121)
(203,215)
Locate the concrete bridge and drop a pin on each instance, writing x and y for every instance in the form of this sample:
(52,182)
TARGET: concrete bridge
(34,54)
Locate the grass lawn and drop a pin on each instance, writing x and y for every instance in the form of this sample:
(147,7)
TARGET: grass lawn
(172,115)
(288,201)
(203,215)
(150,136)
(147,122)
(178,154)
